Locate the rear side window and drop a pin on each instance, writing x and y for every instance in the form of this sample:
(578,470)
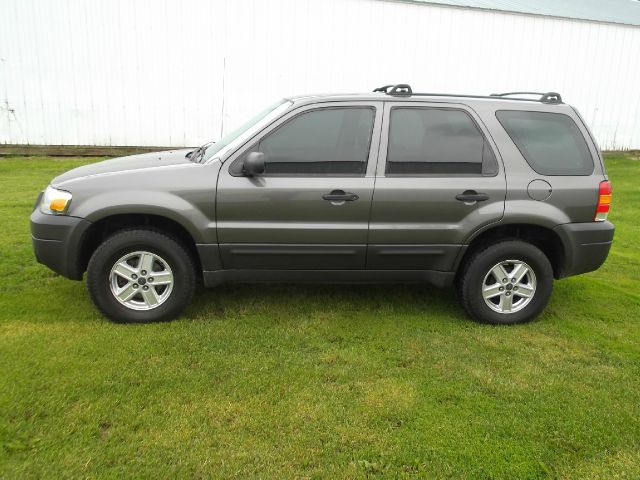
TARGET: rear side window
(424,141)
(328,141)
(551,143)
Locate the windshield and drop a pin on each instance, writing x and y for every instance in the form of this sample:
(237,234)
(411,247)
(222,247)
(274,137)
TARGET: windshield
(245,131)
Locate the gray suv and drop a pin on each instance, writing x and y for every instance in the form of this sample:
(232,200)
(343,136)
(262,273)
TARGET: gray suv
(495,195)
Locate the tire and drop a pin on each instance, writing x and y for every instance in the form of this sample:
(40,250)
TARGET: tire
(118,265)
(528,294)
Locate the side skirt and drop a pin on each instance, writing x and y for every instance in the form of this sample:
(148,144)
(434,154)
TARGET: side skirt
(438,279)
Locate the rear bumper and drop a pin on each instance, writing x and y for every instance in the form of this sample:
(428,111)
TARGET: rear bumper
(57,242)
(586,246)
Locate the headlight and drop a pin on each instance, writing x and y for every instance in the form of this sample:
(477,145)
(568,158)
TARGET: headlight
(55,202)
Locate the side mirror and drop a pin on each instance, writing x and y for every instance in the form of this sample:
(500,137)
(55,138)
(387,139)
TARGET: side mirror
(253,164)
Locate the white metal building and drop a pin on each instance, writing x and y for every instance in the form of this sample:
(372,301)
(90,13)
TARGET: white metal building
(181,72)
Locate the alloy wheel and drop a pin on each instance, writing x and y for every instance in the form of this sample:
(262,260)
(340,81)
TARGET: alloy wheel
(141,280)
(509,286)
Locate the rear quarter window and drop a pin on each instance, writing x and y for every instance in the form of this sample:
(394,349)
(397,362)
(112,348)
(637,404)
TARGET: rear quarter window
(551,143)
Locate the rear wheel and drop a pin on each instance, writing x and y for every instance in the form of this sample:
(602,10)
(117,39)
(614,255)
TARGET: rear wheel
(506,283)
(141,276)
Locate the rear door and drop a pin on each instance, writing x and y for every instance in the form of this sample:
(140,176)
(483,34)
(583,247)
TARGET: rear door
(310,209)
(438,180)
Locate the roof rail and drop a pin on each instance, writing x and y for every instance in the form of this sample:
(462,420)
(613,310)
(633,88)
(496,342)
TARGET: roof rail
(404,90)
(399,90)
(549,97)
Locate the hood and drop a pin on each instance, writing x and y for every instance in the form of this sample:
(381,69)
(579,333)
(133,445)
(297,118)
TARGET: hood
(124,164)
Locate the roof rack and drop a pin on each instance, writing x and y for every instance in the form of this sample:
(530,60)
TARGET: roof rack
(549,97)
(404,90)
(399,90)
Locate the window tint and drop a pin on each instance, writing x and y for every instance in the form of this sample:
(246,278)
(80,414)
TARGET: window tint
(330,141)
(436,141)
(550,142)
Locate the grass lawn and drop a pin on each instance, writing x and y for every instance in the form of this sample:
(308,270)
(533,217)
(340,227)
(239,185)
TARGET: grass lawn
(317,381)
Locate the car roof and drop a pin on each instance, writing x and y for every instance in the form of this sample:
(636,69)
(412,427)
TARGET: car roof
(506,99)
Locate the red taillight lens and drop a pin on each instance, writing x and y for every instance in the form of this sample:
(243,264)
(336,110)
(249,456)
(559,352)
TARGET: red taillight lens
(604,202)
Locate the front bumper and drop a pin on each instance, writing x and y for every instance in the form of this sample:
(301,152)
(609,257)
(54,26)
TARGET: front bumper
(586,246)
(57,242)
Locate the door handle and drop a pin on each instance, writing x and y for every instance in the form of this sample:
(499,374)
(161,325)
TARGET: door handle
(340,196)
(471,196)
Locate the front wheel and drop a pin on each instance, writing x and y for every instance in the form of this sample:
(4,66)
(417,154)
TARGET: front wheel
(141,276)
(506,283)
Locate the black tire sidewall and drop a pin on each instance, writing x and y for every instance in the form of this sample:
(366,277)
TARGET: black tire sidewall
(121,243)
(473,279)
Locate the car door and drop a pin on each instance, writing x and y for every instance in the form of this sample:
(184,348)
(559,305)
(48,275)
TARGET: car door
(438,180)
(310,208)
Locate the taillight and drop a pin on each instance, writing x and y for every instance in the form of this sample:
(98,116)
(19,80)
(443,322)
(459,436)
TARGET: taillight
(604,202)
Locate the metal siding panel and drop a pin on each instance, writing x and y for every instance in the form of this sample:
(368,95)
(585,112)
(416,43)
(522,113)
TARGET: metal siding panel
(169,73)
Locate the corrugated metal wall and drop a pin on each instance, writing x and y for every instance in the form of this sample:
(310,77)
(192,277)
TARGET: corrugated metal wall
(176,72)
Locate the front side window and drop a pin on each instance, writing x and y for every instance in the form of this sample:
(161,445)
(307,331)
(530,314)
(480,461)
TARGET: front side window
(551,143)
(425,141)
(327,141)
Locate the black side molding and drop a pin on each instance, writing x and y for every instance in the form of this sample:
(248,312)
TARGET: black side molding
(437,279)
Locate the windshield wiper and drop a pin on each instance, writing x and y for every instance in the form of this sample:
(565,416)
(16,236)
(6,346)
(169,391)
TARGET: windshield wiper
(196,155)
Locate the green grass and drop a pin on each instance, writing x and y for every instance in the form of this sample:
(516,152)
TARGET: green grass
(317,381)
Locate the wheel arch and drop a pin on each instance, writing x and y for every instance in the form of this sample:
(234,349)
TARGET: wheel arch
(547,240)
(108,225)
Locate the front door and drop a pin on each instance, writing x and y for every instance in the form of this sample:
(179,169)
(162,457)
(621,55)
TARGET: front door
(438,181)
(310,209)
